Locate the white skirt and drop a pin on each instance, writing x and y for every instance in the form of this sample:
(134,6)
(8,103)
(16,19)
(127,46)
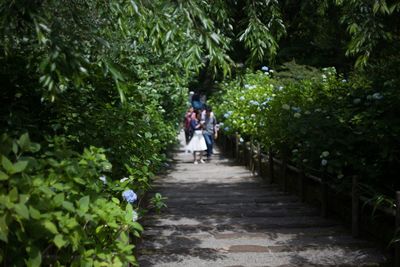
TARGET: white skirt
(197,143)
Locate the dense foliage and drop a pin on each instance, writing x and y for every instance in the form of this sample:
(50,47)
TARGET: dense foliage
(100,86)
(319,120)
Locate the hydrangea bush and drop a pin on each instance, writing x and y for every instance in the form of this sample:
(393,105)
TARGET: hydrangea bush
(58,208)
(318,119)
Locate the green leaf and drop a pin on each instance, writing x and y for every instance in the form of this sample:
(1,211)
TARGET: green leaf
(59,241)
(58,199)
(3,229)
(3,176)
(35,147)
(22,210)
(24,142)
(79,180)
(15,148)
(68,206)
(20,166)
(115,200)
(13,194)
(137,226)
(84,203)
(7,164)
(50,226)
(35,257)
(35,214)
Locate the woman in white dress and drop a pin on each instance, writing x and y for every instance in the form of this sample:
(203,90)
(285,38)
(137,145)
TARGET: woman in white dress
(197,144)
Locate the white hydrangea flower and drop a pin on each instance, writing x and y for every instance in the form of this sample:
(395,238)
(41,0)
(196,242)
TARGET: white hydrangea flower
(135,216)
(124,179)
(325,154)
(103,179)
(377,96)
(286,106)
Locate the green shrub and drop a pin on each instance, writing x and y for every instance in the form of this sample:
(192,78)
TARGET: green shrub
(59,207)
(319,120)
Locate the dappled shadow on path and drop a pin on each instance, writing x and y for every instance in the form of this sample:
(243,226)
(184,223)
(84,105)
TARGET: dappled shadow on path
(218,214)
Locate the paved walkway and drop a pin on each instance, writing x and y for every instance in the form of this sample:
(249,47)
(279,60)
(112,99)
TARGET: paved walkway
(219,215)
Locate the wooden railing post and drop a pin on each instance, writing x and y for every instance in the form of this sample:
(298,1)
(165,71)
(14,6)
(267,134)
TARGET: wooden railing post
(223,140)
(232,144)
(284,173)
(252,161)
(259,160)
(302,185)
(324,194)
(237,143)
(355,206)
(246,152)
(397,244)
(271,165)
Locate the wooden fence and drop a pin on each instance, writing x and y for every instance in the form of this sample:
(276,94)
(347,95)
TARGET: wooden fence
(276,170)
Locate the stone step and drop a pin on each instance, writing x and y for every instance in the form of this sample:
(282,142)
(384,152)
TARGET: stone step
(232,241)
(254,233)
(220,193)
(230,199)
(226,222)
(236,211)
(273,256)
(243,187)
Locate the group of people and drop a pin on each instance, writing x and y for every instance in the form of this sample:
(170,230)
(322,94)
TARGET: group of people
(201,129)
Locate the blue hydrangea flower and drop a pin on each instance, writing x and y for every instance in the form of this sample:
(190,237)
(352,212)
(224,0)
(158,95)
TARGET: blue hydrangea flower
(129,196)
(264,68)
(241,98)
(296,109)
(265,103)
(227,114)
(226,129)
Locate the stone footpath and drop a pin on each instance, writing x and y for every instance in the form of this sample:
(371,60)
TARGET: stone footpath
(219,215)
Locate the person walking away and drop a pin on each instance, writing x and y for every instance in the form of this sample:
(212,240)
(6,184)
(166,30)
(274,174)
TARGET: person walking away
(197,144)
(196,104)
(188,127)
(210,131)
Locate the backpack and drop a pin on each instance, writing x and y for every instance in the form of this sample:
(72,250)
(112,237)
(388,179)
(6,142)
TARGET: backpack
(188,119)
